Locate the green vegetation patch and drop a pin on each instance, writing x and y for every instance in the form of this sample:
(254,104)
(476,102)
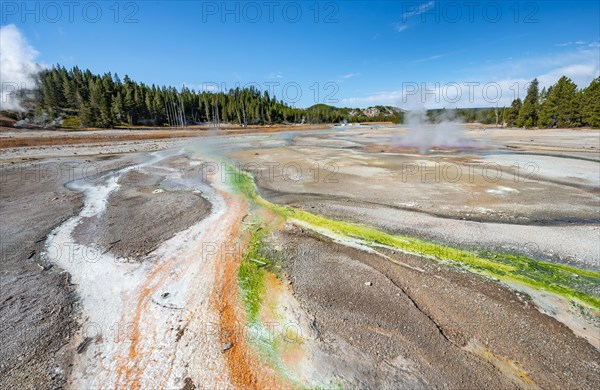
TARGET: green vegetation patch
(251,275)
(71,123)
(269,342)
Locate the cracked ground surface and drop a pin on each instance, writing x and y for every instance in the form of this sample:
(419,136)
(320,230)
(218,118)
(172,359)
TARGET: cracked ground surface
(384,324)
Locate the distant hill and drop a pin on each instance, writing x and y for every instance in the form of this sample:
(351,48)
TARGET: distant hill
(322,113)
(376,111)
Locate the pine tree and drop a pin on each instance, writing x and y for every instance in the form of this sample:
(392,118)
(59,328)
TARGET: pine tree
(50,99)
(590,104)
(528,115)
(69,91)
(159,108)
(129,104)
(513,113)
(86,115)
(561,107)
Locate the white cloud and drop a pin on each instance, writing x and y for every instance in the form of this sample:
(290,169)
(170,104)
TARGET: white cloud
(424,7)
(410,11)
(17,66)
(581,66)
(275,75)
(571,43)
(348,76)
(399,27)
(383,97)
(431,58)
(581,74)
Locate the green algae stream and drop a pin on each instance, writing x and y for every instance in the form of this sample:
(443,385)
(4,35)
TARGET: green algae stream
(577,285)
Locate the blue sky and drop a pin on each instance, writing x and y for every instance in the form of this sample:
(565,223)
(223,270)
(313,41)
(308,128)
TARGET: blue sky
(346,53)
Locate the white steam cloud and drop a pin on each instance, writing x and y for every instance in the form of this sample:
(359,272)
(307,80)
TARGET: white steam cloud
(17,67)
(425,136)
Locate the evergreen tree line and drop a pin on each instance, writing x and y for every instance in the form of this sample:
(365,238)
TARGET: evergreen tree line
(106,101)
(466,115)
(561,105)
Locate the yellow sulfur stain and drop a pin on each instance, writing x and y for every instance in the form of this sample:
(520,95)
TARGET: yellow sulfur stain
(506,366)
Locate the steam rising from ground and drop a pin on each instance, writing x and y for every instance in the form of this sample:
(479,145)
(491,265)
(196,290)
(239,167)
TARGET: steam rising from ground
(425,136)
(17,67)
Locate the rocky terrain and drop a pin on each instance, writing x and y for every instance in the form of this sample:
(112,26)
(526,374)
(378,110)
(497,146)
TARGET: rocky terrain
(135,261)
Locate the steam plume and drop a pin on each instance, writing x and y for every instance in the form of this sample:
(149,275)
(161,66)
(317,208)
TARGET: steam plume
(17,67)
(424,136)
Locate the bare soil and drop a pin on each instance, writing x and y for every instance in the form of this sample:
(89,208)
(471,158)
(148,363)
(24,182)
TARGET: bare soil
(389,326)
(15,138)
(37,300)
(140,216)
(411,323)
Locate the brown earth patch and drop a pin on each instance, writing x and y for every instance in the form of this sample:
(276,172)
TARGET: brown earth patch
(97,135)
